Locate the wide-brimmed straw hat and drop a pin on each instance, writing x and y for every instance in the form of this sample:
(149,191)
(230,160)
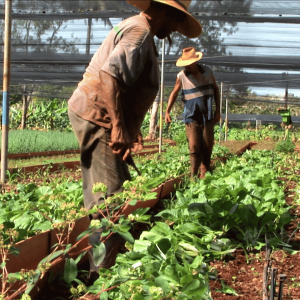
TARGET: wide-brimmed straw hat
(189,56)
(190,27)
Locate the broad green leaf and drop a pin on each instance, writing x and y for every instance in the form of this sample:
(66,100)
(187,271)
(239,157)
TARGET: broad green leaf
(99,252)
(42,191)
(227,289)
(141,211)
(197,209)
(70,271)
(189,228)
(197,262)
(185,280)
(163,283)
(193,285)
(161,229)
(104,296)
(150,196)
(46,225)
(127,236)
(132,202)
(171,272)
(270,195)
(141,245)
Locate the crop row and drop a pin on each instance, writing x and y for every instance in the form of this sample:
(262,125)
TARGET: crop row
(28,141)
(233,207)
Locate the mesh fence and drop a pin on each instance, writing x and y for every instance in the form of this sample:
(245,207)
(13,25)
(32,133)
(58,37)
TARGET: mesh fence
(250,44)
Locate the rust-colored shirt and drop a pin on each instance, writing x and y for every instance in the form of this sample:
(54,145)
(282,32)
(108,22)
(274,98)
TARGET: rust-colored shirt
(128,53)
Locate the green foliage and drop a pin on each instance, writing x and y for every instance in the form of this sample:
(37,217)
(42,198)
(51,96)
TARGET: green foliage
(234,207)
(286,146)
(27,141)
(34,209)
(46,115)
(238,134)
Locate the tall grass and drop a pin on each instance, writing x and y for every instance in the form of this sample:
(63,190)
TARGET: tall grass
(27,141)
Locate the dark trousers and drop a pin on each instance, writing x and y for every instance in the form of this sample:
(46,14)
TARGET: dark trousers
(201,141)
(98,162)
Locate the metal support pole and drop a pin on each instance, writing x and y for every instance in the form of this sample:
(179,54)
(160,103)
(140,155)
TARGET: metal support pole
(161,95)
(6,85)
(286,91)
(221,99)
(88,38)
(226,120)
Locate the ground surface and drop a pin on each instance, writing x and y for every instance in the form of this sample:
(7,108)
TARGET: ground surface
(245,276)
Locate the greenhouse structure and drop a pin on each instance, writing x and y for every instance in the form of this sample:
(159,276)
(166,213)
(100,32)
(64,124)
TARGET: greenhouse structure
(232,233)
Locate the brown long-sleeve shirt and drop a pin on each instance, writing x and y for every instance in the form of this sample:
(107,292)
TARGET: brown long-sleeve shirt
(128,53)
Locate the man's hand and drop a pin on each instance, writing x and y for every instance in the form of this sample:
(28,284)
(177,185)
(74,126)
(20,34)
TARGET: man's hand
(121,142)
(168,118)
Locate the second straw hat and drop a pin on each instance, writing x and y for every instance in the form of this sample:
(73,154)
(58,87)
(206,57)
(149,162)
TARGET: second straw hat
(189,56)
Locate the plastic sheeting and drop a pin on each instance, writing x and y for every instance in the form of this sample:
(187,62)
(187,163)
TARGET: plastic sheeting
(248,43)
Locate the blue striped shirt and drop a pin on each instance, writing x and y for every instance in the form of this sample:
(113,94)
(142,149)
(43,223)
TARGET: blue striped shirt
(197,95)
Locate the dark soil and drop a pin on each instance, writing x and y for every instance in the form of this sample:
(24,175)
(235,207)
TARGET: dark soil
(240,272)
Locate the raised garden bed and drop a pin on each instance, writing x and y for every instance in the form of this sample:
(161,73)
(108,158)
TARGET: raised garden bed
(54,167)
(222,271)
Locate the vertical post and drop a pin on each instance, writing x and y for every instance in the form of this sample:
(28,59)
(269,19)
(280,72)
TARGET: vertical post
(221,99)
(161,95)
(88,38)
(226,120)
(286,91)
(6,84)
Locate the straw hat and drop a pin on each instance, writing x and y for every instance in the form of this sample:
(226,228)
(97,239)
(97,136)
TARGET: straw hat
(189,56)
(190,27)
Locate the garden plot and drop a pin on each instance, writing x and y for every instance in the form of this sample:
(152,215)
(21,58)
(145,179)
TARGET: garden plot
(32,161)
(180,245)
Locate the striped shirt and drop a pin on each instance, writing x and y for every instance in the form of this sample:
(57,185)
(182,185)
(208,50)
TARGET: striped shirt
(197,95)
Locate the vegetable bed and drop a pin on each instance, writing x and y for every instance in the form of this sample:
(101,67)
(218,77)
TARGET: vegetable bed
(196,234)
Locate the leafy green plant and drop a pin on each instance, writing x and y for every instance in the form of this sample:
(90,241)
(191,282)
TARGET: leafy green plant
(33,208)
(286,146)
(226,289)
(27,141)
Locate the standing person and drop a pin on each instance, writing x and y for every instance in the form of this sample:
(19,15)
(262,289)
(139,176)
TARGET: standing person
(199,90)
(118,87)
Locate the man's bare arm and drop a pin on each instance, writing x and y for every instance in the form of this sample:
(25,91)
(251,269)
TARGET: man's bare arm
(172,99)
(120,140)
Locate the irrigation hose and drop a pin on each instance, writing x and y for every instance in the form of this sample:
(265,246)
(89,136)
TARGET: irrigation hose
(273,283)
(282,278)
